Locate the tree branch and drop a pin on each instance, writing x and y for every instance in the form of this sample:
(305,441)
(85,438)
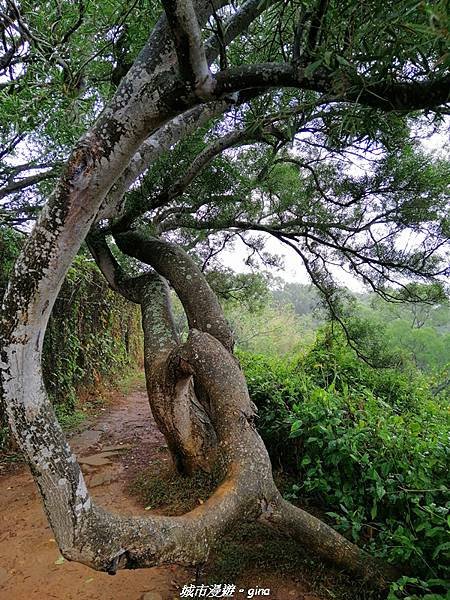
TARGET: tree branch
(399,96)
(189,47)
(110,268)
(21,184)
(236,24)
(171,262)
(158,143)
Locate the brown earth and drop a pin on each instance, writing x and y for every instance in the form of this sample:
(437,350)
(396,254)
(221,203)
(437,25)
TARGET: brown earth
(119,444)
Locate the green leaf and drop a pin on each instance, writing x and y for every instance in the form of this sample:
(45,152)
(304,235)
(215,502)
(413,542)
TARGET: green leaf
(374,510)
(296,429)
(415,428)
(441,548)
(312,68)
(343,61)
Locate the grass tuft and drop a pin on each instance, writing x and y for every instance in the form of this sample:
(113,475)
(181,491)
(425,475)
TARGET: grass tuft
(160,486)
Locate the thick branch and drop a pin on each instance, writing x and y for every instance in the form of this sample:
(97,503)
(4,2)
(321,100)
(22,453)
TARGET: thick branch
(152,148)
(179,415)
(200,162)
(187,36)
(385,96)
(200,303)
(110,268)
(311,533)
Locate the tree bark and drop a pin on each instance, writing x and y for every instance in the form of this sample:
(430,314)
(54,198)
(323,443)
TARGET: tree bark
(180,416)
(200,303)
(222,434)
(170,368)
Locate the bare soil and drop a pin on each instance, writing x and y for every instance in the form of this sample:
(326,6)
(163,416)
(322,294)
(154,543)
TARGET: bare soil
(121,443)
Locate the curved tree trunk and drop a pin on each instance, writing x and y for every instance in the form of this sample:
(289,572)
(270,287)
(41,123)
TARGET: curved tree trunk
(231,443)
(217,432)
(200,303)
(180,416)
(181,407)
(105,541)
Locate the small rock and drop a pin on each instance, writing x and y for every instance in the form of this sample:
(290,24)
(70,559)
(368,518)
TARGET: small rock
(94,460)
(116,448)
(3,575)
(99,479)
(152,596)
(107,453)
(87,469)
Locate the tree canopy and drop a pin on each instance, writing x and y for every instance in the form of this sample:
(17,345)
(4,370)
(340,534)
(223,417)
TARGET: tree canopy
(330,163)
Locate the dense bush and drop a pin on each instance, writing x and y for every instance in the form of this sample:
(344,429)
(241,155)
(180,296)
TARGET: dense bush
(367,446)
(93,335)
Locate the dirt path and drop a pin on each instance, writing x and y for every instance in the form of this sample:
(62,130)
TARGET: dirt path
(29,556)
(31,567)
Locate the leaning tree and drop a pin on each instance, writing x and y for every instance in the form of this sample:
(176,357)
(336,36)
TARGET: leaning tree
(325,81)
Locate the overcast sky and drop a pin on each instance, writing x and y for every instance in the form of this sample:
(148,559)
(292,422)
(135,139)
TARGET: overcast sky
(294,270)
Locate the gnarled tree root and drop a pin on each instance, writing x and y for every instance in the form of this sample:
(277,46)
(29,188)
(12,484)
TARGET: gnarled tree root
(109,542)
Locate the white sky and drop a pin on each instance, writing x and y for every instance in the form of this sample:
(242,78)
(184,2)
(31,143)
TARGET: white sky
(293,270)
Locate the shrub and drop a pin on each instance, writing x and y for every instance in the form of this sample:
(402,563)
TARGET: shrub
(368,446)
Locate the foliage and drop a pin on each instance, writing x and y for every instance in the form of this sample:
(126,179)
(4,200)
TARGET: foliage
(369,446)
(386,333)
(428,348)
(339,181)
(248,291)
(69,417)
(65,56)
(417,332)
(93,334)
(304,299)
(270,330)
(258,321)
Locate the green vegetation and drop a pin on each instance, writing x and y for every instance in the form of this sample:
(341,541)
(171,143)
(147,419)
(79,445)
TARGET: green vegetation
(93,335)
(362,443)
(367,446)
(415,335)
